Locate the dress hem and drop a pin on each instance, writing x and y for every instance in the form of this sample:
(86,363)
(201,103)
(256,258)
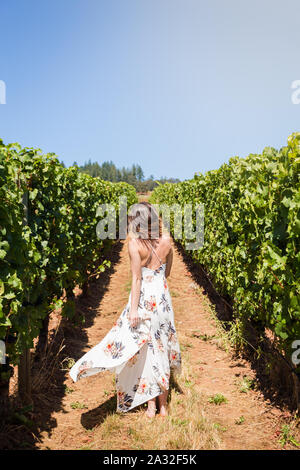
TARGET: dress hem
(139,404)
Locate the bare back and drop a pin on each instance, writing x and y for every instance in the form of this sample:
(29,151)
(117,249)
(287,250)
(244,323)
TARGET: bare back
(152,259)
(142,255)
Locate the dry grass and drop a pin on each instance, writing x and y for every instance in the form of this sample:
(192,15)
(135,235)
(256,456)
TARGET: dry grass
(49,363)
(186,427)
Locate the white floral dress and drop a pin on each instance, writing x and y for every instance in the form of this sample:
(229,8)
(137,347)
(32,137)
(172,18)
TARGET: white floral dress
(140,356)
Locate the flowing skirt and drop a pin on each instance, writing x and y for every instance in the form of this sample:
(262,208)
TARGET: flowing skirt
(141,356)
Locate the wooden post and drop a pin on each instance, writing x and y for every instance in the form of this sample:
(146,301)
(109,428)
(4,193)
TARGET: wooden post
(4,392)
(296,380)
(24,378)
(85,287)
(24,369)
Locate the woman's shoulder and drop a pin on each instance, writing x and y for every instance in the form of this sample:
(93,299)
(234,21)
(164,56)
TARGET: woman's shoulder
(132,243)
(166,240)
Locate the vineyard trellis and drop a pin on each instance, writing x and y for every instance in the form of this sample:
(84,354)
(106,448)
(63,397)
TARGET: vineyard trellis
(252,237)
(48,245)
(24,369)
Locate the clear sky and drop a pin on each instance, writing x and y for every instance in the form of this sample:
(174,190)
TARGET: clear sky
(177,86)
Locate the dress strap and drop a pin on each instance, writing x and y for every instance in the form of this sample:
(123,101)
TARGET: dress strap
(150,256)
(156,255)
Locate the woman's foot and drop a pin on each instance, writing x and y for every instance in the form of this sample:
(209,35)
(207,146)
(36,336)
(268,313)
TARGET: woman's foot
(163,411)
(162,400)
(151,411)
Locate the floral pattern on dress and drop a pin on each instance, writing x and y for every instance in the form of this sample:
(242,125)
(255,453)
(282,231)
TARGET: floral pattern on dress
(165,304)
(175,358)
(159,342)
(124,401)
(141,356)
(142,297)
(115,349)
(84,366)
(144,386)
(133,359)
(165,382)
(150,304)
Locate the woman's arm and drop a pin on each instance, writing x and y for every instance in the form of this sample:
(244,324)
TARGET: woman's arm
(169,262)
(136,269)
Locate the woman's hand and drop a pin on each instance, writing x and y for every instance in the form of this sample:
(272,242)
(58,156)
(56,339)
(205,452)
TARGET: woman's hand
(133,318)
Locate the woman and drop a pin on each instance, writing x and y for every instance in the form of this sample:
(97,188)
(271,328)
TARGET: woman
(142,346)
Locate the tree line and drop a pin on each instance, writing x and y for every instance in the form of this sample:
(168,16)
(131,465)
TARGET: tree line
(133,175)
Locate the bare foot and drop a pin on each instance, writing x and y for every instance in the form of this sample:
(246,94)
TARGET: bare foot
(163,411)
(151,411)
(162,400)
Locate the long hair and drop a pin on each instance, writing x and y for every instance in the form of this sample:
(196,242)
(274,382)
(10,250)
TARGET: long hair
(144,223)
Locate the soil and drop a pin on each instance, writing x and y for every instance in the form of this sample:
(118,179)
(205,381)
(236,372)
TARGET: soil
(70,416)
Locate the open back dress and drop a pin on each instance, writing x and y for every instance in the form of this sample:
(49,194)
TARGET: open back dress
(142,356)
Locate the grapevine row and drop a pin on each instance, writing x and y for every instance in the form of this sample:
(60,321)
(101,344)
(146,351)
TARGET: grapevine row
(53,246)
(251,236)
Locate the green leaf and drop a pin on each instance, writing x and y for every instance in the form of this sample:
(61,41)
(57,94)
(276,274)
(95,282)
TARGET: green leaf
(33,194)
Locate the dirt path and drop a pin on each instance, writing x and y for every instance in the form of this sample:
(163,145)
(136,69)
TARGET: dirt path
(86,417)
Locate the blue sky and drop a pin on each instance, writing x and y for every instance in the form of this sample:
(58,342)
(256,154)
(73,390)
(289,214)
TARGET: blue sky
(178,86)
